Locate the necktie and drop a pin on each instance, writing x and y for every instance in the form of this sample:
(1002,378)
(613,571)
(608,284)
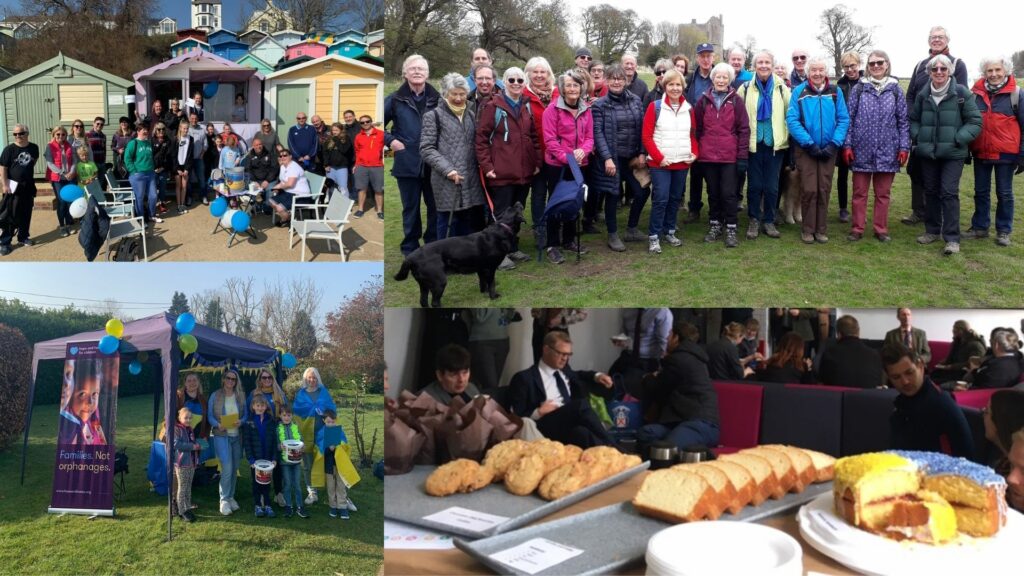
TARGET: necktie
(562,388)
(906,338)
(636,332)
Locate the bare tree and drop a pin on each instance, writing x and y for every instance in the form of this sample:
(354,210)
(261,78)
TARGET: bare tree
(109,308)
(613,32)
(749,46)
(516,26)
(413,24)
(370,13)
(239,303)
(665,33)
(308,15)
(840,34)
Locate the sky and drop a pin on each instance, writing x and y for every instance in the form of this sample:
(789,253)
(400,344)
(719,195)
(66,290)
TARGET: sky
(146,289)
(901,27)
(177,9)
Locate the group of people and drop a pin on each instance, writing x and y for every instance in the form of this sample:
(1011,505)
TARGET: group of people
(477,145)
(244,429)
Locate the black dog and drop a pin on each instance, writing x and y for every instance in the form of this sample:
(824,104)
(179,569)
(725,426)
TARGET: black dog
(480,252)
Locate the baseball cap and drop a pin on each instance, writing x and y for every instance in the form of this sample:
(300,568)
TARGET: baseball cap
(705,47)
(583,52)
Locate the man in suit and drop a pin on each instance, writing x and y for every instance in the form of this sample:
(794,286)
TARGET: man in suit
(557,398)
(453,362)
(1000,370)
(907,335)
(848,361)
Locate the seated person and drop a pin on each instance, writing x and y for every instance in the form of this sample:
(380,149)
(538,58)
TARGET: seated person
(1000,370)
(724,362)
(261,164)
(787,365)
(1015,477)
(966,344)
(557,398)
(848,361)
(686,401)
(748,346)
(923,412)
(292,186)
(453,362)
(1004,416)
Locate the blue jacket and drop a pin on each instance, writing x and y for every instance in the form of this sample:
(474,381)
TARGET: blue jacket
(817,118)
(696,85)
(879,128)
(303,141)
(406,123)
(614,119)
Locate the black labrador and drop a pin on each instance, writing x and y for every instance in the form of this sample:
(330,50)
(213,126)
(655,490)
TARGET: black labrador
(480,253)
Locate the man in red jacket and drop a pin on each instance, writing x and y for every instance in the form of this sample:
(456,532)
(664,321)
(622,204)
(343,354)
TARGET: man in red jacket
(369,168)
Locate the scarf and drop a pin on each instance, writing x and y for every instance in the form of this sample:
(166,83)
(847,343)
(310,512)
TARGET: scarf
(459,111)
(939,93)
(764,99)
(543,95)
(879,84)
(992,88)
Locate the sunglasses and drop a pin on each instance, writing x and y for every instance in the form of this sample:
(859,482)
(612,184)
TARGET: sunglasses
(77,126)
(366,122)
(516,81)
(877,63)
(796,58)
(586,57)
(283,155)
(940,69)
(659,72)
(850,67)
(17,134)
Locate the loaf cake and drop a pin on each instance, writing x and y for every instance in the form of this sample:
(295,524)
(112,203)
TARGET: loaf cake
(764,477)
(741,480)
(674,495)
(725,492)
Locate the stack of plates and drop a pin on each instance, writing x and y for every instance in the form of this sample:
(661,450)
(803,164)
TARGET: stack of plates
(712,548)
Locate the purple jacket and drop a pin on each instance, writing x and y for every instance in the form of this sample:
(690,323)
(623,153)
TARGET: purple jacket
(879,128)
(723,134)
(564,133)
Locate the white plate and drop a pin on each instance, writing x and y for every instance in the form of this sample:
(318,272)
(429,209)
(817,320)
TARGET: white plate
(823,529)
(700,548)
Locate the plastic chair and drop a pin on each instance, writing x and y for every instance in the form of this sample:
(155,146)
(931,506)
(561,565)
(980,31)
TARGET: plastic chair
(119,207)
(329,228)
(316,189)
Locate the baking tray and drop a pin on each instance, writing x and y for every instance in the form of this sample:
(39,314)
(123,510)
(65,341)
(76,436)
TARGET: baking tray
(407,502)
(611,537)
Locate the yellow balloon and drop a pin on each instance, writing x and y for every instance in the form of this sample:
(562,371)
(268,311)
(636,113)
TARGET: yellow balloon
(115,328)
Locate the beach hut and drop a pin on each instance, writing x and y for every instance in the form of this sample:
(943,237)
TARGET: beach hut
(58,91)
(325,86)
(311,48)
(218,78)
(186,45)
(349,48)
(268,50)
(287,37)
(255,63)
(225,43)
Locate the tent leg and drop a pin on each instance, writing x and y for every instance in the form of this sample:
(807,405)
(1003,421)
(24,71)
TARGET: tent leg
(28,424)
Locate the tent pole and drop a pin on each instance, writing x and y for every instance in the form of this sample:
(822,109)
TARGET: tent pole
(170,384)
(28,418)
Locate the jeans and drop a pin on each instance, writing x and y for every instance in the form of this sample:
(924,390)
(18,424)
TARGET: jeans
(161,184)
(412,190)
(764,166)
(144,191)
(941,181)
(292,484)
(196,175)
(682,434)
(340,177)
(229,452)
(667,190)
(983,195)
(63,208)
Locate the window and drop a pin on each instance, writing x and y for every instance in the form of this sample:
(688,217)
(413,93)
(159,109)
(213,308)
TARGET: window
(203,21)
(166,28)
(264,27)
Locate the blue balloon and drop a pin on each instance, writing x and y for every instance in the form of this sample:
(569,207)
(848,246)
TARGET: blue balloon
(218,207)
(135,367)
(185,323)
(109,344)
(210,89)
(240,221)
(71,192)
(288,360)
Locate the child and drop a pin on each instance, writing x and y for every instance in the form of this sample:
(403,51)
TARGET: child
(287,430)
(85,168)
(338,471)
(259,438)
(186,458)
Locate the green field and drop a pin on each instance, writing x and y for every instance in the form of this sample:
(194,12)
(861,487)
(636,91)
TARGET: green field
(135,540)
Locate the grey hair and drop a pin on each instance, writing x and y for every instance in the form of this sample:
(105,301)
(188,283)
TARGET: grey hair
(575,76)
(737,48)
(935,29)
(767,53)
(411,60)
(1003,60)
(1006,339)
(941,59)
(542,63)
(453,81)
(624,56)
(816,60)
(513,72)
(616,71)
(23,127)
(723,67)
(664,63)
(479,67)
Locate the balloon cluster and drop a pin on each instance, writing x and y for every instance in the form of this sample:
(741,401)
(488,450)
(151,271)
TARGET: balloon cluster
(229,217)
(76,196)
(115,329)
(184,325)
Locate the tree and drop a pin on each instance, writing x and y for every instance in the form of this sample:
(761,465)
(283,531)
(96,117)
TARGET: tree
(1018,63)
(179,304)
(665,33)
(302,336)
(613,32)
(355,336)
(15,379)
(369,12)
(840,34)
(309,15)
(749,47)
(689,38)
(516,26)
(213,316)
(411,25)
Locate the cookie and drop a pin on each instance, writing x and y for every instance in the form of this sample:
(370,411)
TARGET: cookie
(551,451)
(564,480)
(503,455)
(525,474)
(451,477)
(572,453)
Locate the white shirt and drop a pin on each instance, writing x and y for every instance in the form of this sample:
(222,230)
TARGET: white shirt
(547,377)
(293,169)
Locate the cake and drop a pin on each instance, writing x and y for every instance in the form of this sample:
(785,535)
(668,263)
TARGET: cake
(925,517)
(742,480)
(782,466)
(725,492)
(674,495)
(764,478)
(824,465)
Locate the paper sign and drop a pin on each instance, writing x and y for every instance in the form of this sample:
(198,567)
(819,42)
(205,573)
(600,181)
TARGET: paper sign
(467,519)
(332,436)
(398,535)
(536,555)
(129,99)
(12,186)
(228,420)
(196,420)
(190,103)
(114,99)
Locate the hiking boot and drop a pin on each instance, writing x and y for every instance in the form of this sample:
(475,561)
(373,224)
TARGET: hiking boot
(883,238)
(1002,239)
(927,238)
(653,245)
(951,248)
(844,216)
(821,238)
(507,264)
(692,217)
(912,219)
(574,246)
(854,236)
(615,244)
(634,235)
(807,238)
(753,228)
(976,233)
(731,241)
(555,255)
(671,239)
(519,256)
(714,232)
(771,231)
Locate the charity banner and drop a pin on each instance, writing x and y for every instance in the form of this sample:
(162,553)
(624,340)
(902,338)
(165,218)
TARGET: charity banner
(83,477)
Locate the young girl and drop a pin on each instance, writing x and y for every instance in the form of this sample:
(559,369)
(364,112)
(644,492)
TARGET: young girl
(85,168)
(182,162)
(258,436)
(337,469)
(288,430)
(186,458)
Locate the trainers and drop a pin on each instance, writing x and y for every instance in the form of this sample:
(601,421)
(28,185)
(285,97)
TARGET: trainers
(507,264)
(288,512)
(731,241)
(1003,239)
(572,247)
(927,238)
(615,244)
(821,238)
(555,255)
(333,513)
(158,220)
(358,214)
(280,500)
(854,236)
(844,216)
(225,508)
(671,239)
(206,201)
(653,246)
(5,250)
(351,505)
(519,256)
(64,232)
(380,215)
(301,512)
(976,233)
(692,217)
(259,512)
(771,231)
(343,513)
(807,238)
(951,248)
(714,232)
(752,229)
(883,238)
(269,511)
(234,505)
(634,235)
(912,219)
(27,242)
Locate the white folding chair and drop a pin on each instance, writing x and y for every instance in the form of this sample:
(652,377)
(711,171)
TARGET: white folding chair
(124,228)
(120,207)
(329,228)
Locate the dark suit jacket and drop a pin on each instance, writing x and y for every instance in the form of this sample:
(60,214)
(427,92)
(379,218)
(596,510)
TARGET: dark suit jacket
(527,388)
(852,363)
(1002,372)
(921,346)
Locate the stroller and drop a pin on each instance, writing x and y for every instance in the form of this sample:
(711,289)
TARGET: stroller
(565,205)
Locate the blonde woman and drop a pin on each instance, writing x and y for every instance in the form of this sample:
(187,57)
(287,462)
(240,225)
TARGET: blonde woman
(182,159)
(310,402)
(228,400)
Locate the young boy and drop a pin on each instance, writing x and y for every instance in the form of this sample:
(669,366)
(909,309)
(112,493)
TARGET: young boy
(293,485)
(337,468)
(86,170)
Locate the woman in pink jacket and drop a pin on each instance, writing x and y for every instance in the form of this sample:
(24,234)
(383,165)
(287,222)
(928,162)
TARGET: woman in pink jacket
(568,132)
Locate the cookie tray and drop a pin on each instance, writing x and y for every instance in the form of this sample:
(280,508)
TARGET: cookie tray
(407,502)
(611,537)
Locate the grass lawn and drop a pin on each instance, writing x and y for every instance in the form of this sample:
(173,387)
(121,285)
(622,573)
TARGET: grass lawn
(764,272)
(134,541)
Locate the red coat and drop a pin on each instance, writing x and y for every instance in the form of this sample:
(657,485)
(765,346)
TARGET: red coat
(370,148)
(1000,137)
(537,108)
(723,133)
(509,146)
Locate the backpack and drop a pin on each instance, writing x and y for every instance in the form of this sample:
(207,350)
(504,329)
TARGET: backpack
(127,250)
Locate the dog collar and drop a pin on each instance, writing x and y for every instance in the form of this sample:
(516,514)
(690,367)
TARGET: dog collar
(506,227)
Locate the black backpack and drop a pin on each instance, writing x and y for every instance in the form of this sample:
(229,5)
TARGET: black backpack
(127,250)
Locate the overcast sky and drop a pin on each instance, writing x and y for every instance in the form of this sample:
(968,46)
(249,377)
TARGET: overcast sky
(901,27)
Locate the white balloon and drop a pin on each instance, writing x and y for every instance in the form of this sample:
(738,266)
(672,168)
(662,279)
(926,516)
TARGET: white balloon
(78,208)
(225,220)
